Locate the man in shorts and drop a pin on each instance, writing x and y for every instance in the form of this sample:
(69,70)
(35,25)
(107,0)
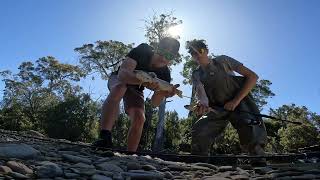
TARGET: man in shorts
(123,84)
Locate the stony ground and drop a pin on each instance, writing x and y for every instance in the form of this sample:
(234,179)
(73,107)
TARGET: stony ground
(23,157)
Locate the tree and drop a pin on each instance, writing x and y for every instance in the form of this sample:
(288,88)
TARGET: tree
(75,119)
(156,29)
(103,57)
(35,88)
(290,137)
(172,131)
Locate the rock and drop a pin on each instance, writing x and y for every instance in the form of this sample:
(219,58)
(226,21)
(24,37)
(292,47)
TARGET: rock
(239,177)
(83,166)
(226,168)
(101,160)
(107,154)
(100,177)
(109,167)
(133,166)
(19,167)
(168,175)
(211,166)
(19,151)
(178,168)
(49,169)
(71,175)
(76,159)
(214,178)
(262,170)
(195,168)
(18,175)
(34,133)
(5,170)
(142,175)
(148,167)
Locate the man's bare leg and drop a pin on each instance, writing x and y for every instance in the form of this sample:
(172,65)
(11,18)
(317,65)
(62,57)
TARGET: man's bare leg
(110,108)
(137,118)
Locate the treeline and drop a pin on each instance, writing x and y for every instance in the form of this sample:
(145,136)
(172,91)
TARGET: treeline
(45,95)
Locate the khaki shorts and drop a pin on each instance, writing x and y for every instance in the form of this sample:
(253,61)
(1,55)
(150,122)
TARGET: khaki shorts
(133,97)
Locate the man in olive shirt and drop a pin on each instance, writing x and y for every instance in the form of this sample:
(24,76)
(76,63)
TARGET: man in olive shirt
(216,86)
(123,84)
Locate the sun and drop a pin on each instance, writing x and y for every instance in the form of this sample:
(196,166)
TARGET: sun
(175,30)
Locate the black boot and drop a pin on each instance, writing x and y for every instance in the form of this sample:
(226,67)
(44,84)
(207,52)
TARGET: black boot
(105,139)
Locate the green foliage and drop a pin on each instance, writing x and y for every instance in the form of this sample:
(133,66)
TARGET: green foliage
(294,137)
(157,27)
(120,130)
(149,128)
(74,119)
(172,131)
(228,142)
(287,137)
(188,67)
(103,57)
(261,92)
(35,88)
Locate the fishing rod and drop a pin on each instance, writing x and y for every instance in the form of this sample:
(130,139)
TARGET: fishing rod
(221,109)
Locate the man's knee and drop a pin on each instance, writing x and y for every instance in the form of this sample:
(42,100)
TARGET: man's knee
(117,92)
(137,116)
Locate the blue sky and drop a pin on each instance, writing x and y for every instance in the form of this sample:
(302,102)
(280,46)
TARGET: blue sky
(279,40)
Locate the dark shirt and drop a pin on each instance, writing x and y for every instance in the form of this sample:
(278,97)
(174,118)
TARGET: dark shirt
(142,54)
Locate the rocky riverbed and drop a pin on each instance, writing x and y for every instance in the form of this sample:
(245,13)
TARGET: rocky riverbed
(24,157)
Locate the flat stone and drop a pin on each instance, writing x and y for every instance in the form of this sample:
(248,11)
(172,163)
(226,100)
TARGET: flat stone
(107,154)
(214,178)
(19,151)
(18,175)
(71,175)
(100,177)
(19,167)
(226,168)
(76,159)
(148,167)
(49,169)
(83,166)
(196,167)
(34,133)
(179,168)
(168,175)
(133,166)
(141,175)
(109,167)
(262,170)
(5,170)
(239,177)
(211,166)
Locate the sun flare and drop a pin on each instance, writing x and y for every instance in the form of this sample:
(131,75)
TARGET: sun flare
(175,30)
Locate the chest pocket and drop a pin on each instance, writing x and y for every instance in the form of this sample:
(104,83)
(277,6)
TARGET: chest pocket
(218,84)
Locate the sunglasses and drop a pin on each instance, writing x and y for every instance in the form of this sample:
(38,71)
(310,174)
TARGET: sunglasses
(166,54)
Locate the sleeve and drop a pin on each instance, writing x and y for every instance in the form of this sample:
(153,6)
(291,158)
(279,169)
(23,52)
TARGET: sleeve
(195,78)
(231,63)
(141,53)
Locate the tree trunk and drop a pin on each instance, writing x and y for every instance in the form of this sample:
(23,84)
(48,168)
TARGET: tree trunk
(159,139)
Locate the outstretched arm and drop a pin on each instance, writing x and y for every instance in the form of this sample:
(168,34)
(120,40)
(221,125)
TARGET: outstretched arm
(251,79)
